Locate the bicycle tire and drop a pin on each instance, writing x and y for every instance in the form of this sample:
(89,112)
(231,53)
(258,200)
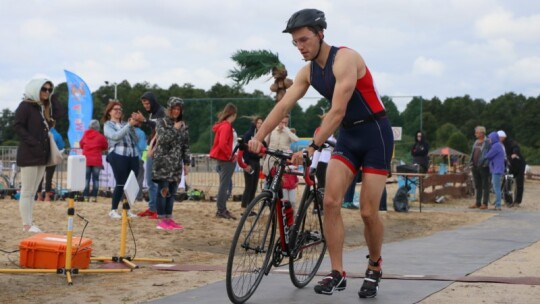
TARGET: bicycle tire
(4,182)
(251,249)
(508,188)
(309,245)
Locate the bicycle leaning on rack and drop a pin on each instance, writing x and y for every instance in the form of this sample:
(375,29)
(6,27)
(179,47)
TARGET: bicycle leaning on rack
(10,177)
(255,250)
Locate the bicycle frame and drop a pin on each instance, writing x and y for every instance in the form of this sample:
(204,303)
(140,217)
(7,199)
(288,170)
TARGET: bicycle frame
(275,189)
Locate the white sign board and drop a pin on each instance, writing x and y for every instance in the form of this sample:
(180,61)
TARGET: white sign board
(397,133)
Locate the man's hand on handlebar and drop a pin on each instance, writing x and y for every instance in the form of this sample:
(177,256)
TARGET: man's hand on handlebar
(255,146)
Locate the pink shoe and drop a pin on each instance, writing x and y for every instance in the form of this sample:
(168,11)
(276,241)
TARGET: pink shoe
(163,224)
(174,225)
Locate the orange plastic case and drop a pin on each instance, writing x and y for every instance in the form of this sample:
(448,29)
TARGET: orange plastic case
(48,251)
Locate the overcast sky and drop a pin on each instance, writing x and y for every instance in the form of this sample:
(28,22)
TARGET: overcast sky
(443,48)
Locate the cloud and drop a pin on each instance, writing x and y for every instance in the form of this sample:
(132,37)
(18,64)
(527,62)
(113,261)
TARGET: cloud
(503,24)
(428,66)
(525,70)
(151,42)
(37,29)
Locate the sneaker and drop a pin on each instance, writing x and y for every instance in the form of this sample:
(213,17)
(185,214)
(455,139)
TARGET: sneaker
(345,205)
(483,207)
(225,214)
(473,206)
(153,215)
(86,199)
(33,229)
(251,213)
(163,225)
(371,284)
(131,214)
(174,225)
(144,213)
(114,214)
(332,282)
(94,200)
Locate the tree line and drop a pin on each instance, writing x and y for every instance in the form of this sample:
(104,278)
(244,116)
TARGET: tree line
(446,123)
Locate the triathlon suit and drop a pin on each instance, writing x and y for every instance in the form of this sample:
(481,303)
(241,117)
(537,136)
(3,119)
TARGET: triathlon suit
(365,135)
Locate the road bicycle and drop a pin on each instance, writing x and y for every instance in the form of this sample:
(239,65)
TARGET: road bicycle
(257,247)
(507,188)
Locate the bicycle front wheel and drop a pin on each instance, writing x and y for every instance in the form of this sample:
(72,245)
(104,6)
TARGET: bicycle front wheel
(251,248)
(308,243)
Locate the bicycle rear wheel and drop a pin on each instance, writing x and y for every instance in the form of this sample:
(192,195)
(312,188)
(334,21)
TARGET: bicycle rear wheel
(4,182)
(251,249)
(308,243)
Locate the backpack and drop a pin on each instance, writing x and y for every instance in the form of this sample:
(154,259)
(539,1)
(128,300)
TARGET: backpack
(195,195)
(401,199)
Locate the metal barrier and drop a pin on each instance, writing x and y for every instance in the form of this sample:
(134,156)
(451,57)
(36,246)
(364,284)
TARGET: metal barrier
(202,176)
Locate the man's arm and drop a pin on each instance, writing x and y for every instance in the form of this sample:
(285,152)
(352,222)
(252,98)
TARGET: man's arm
(348,67)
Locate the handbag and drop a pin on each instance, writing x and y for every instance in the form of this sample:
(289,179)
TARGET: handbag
(55,156)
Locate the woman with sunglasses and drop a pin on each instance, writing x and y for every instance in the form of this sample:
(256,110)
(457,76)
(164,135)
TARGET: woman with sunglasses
(32,119)
(123,154)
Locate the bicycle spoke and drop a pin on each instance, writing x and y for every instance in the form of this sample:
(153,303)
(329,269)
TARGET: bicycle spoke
(250,250)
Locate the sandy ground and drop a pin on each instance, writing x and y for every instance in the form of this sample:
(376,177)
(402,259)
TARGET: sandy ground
(205,242)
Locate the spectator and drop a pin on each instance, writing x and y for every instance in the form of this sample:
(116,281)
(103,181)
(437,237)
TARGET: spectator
(253,162)
(141,147)
(156,111)
(496,157)
(123,154)
(171,155)
(222,152)
(517,165)
(93,143)
(280,138)
(419,152)
(49,171)
(32,118)
(480,169)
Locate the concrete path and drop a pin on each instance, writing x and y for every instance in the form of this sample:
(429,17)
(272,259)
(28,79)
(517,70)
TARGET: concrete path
(446,255)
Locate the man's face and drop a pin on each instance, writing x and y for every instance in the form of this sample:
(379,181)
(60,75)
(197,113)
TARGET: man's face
(306,42)
(146,104)
(479,134)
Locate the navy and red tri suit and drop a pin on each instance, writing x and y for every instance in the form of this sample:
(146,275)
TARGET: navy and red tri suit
(365,138)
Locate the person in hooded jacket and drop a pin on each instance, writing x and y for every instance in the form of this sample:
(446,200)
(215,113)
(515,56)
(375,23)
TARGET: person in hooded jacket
(93,143)
(155,111)
(171,157)
(497,157)
(419,152)
(222,152)
(49,171)
(32,122)
(517,164)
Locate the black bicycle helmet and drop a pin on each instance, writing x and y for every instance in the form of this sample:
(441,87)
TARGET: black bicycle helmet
(306,17)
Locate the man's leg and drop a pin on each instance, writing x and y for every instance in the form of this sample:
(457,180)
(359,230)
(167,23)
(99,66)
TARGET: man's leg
(370,196)
(338,178)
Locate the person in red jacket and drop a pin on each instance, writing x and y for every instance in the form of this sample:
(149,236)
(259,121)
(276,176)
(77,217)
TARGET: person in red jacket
(222,152)
(93,143)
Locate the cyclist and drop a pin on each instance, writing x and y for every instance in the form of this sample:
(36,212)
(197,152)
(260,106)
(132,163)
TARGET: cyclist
(365,140)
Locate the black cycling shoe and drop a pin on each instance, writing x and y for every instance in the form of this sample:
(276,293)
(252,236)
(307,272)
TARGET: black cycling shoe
(371,284)
(332,282)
